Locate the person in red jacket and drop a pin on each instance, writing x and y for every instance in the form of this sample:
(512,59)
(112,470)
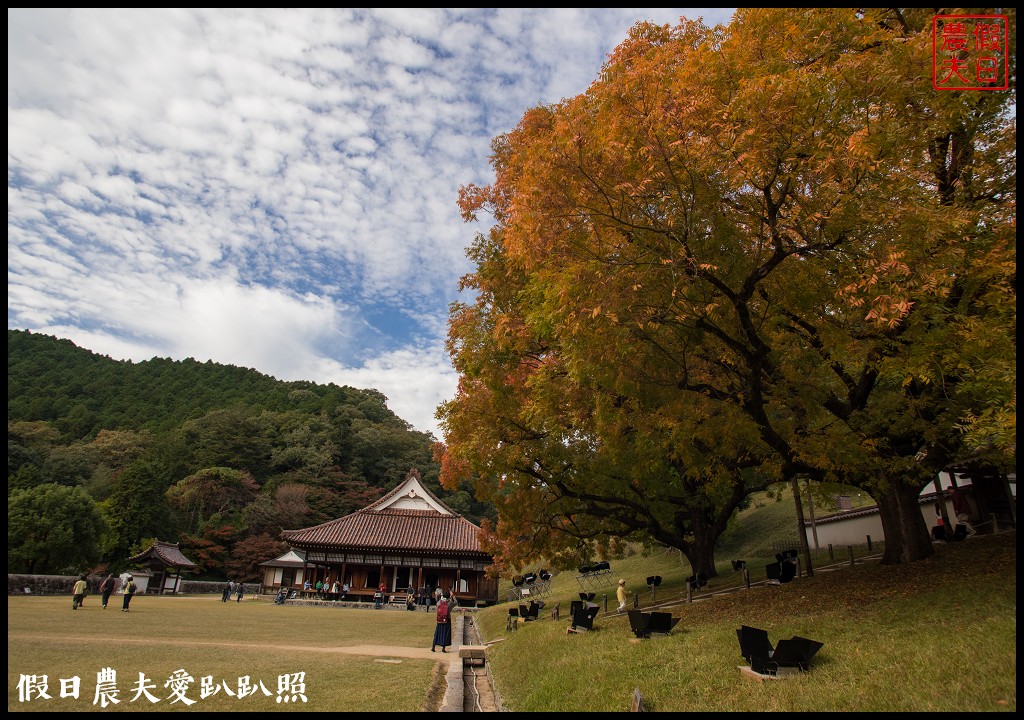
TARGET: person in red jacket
(962,509)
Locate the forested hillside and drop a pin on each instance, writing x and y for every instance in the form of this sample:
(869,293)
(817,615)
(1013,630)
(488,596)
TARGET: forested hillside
(105,454)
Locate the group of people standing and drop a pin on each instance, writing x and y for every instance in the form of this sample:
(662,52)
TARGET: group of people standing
(107,588)
(426,598)
(232,588)
(413,598)
(323,588)
(429,598)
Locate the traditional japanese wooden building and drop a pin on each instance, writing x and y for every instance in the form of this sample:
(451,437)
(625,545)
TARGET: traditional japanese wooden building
(286,570)
(165,563)
(408,539)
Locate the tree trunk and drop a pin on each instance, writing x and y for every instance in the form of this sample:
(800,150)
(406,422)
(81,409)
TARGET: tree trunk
(701,550)
(801,532)
(906,533)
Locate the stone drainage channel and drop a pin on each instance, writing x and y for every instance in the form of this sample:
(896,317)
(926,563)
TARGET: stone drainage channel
(470,687)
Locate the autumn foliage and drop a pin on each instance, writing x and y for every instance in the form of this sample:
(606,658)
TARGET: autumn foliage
(745,253)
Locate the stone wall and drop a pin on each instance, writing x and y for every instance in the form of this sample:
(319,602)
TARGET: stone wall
(63,584)
(48,584)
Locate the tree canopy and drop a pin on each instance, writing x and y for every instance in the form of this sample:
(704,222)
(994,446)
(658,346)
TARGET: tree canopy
(745,253)
(51,529)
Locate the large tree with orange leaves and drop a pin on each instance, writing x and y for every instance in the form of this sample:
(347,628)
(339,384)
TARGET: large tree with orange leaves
(743,254)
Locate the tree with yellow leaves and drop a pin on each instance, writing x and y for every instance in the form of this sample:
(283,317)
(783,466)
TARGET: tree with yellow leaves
(745,253)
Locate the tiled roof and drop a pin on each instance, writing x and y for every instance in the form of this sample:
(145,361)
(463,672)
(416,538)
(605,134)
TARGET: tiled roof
(392,530)
(167,553)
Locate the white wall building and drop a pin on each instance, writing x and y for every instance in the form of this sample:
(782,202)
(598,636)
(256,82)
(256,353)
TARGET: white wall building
(855,527)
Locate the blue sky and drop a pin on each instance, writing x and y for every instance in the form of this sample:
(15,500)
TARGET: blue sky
(273,189)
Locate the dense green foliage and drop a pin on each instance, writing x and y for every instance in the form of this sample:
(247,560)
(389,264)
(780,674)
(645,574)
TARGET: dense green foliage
(81,392)
(50,527)
(219,458)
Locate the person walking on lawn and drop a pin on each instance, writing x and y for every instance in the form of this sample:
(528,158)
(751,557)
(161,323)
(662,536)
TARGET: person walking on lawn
(129,592)
(78,593)
(107,589)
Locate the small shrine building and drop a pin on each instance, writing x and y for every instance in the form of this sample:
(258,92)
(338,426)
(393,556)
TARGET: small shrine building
(164,563)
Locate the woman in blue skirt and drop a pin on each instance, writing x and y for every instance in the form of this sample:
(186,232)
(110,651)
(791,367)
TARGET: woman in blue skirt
(443,630)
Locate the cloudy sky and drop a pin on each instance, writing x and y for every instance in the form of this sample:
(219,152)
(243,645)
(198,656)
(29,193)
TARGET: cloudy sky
(273,189)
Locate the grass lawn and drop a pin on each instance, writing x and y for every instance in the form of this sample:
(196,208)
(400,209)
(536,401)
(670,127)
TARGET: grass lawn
(224,642)
(938,635)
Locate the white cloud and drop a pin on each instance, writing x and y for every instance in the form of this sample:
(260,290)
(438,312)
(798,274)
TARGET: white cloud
(275,188)
(414,379)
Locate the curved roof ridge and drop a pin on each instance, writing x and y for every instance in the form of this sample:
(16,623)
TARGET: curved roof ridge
(413,480)
(167,552)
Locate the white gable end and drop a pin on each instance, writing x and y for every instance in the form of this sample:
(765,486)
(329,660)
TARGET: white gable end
(410,495)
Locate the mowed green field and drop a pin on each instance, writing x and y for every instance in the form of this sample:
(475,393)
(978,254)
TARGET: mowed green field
(251,656)
(938,635)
